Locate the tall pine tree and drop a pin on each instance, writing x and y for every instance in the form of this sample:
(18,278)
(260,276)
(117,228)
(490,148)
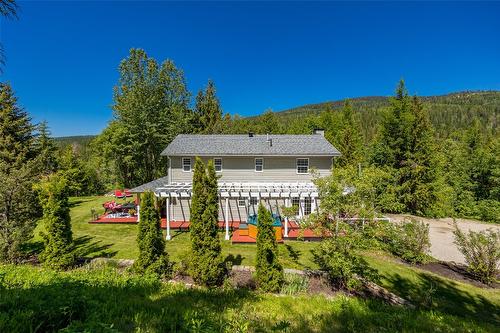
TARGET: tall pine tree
(406,148)
(46,150)
(206,265)
(350,141)
(207,110)
(18,203)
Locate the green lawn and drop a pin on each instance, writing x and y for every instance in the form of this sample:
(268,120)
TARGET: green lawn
(34,299)
(119,241)
(106,300)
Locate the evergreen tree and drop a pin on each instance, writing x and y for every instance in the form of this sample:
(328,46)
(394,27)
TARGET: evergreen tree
(350,137)
(18,204)
(58,237)
(406,148)
(207,111)
(269,272)
(420,174)
(152,256)
(206,265)
(46,149)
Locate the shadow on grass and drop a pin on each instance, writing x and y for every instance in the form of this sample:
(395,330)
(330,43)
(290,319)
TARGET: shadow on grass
(86,247)
(435,293)
(235,260)
(97,305)
(78,201)
(293,253)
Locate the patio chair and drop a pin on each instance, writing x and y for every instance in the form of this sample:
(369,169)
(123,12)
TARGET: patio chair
(119,194)
(127,193)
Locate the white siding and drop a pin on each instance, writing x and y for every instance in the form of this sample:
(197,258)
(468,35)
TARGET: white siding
(242,169)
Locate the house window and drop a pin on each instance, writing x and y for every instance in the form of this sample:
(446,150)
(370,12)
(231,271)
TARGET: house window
(302,165)
(296,204)
(186,164)
(218,164)
(241,203)
(254,201)
(307,206)
(259,164)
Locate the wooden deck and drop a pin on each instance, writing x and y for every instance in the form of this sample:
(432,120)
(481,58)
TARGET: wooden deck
(294,230)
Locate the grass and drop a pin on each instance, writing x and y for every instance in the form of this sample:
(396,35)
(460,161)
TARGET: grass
(119,241)
(107,300)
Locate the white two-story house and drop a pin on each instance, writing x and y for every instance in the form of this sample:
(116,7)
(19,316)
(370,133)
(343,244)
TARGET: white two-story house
(273,169)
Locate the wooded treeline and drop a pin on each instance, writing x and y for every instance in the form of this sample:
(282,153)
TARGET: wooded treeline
(433,156)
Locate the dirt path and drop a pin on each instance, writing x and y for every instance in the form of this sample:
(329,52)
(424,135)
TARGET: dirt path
(441,235)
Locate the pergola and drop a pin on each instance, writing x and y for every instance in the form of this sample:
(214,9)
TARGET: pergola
(227,190)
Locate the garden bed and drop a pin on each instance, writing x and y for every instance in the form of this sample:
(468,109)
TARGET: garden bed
(455,272)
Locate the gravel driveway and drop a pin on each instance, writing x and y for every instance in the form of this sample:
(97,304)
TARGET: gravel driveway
(441,235)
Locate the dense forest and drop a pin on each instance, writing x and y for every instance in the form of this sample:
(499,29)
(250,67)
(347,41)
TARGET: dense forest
(431,156)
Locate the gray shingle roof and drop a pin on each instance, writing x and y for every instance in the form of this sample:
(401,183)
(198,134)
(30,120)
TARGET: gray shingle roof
(244,145)
(151,186)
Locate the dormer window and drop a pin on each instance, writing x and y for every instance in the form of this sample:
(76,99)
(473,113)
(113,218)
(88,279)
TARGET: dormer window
(302,165)
(186,164)
(218,164)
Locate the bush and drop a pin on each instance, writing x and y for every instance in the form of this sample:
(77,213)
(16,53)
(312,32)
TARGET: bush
(481,251)
(269,272)
(410,241)
(294,284)
(58,237)
(206,263)
(337,256)
(152,256)
(489,210)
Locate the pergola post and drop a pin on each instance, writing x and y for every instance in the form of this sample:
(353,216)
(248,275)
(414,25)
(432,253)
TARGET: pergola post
(226,218)
(167,217)
(138,213)
(287,204)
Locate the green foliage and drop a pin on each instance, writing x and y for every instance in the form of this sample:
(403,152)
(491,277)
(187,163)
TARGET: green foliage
(58,238)
(152,256)
(350,192)
(269,272)
(410,241)
(46,150)
(294,284)
(206,262)
(481,251)
(150,108)
(349,138)
(338,257)
(207,111)
(109,300)
(19,208)
(81,173)
(489,210)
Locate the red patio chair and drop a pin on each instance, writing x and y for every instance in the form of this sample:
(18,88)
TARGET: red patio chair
(127,193)
(119,194)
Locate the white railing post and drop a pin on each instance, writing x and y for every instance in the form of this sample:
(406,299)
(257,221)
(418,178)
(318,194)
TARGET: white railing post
(167,217)
(287,204)
(226,218)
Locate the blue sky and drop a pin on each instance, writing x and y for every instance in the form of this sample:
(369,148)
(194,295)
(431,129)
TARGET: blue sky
(62,57)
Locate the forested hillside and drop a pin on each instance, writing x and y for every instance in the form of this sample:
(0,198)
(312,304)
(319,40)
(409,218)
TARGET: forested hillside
(447,112)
